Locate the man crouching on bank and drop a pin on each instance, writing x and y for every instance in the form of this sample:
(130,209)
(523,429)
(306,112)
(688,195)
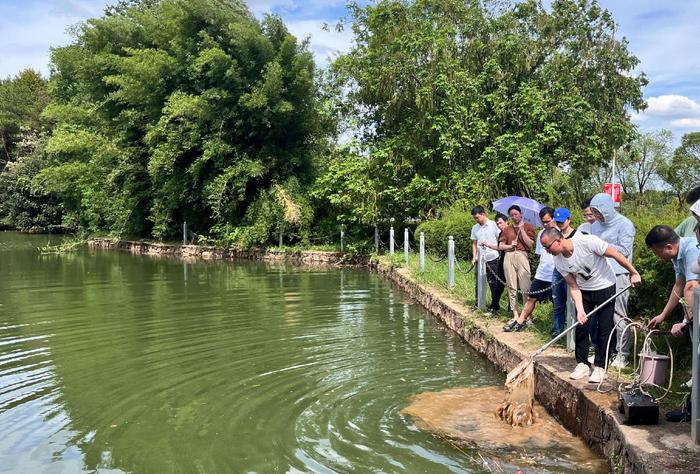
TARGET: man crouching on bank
(582,262)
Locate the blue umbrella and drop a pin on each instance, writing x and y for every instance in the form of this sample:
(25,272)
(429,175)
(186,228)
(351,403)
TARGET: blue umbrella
(529,208)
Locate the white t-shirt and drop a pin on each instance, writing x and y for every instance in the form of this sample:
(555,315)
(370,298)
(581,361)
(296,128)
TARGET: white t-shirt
(489,233)
(588,265)
(546,267)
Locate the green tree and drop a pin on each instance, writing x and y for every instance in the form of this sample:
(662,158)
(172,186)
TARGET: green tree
(638,164)
(176,110)
(683,171)
(22,99)
(23,133)
(461,99)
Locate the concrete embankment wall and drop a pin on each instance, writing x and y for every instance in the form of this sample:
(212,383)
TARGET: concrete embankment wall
(577,405)
(219,253)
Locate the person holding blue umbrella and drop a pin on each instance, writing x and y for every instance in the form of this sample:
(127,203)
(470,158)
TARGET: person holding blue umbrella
(516,241)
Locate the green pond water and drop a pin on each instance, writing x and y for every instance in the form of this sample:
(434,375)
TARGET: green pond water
(111,362)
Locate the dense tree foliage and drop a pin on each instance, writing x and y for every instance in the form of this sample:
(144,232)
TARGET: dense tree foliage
(23,134)
(460,99)
(176,110)
(683,171)
(164,111)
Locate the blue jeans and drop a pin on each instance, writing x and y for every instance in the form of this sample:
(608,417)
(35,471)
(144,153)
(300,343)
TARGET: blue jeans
(559,293)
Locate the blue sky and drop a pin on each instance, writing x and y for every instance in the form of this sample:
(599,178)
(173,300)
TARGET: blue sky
(665,35)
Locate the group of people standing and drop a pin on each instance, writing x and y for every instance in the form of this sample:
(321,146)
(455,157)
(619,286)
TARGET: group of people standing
(591,263)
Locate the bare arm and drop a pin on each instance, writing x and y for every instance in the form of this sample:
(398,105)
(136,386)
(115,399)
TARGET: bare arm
(474,252)
(577,298)
(670,304)
(524,238)
(611,252)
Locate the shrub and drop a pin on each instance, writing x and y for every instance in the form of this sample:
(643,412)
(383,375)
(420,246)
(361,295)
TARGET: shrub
(456,223)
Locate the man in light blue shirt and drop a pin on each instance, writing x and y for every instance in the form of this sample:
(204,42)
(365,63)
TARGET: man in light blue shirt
(683,252)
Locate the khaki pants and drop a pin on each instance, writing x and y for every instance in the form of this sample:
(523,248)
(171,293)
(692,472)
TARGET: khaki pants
(516,266)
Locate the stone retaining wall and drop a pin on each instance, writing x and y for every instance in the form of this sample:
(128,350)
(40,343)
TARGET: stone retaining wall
(219,253)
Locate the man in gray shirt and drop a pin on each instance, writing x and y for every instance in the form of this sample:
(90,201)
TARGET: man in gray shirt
(618,231)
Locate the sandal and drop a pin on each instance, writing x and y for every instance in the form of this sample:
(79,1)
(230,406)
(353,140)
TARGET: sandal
(513,326)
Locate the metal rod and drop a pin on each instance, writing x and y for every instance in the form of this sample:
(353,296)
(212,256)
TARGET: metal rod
(281,234)
(342,239)
(695,351)
(405,246)
(450,262)
(422,252)
(480,280)
(184,233)
(567,330)
(376,239)
(391,240)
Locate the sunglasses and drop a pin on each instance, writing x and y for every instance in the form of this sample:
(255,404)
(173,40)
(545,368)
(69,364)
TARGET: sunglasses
(547,247)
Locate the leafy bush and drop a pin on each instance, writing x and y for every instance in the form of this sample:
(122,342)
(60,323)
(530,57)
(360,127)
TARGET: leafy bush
(657,276)
(455,222)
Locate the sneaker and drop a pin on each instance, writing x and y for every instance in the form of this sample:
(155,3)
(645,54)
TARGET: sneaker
(689,383)
(513,326)
(620,362)
(591,358)
(581,371)
(597,376)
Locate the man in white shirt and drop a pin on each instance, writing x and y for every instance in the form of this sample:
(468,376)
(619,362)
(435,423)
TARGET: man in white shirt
(588,217)
(486,231)
(541,287)
(591,279)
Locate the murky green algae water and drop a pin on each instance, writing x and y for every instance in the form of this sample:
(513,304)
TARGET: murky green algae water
(111,362)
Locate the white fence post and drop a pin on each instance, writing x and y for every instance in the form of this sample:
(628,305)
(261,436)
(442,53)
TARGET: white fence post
(450,262)
(695,351)
(422,252)
(405,246)
(480,281)
(391,240)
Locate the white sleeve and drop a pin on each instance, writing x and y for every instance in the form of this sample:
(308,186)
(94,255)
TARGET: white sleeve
(597,245)
(538,245)
(473,234)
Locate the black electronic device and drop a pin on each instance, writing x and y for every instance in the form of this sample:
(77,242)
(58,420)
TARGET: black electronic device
(638,408)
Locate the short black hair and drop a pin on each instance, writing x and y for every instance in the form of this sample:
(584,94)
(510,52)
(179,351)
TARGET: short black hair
(552,233)
(516,207)
(661,235)
(500,216)
(693,195)
(546,211)
(478,210)
(586,203)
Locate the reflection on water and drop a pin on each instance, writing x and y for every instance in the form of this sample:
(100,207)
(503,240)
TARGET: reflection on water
(122,363)
(465,417)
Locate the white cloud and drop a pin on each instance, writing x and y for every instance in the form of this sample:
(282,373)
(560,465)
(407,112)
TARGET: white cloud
(686,123)
(672,106)
(324,44)
(638,117)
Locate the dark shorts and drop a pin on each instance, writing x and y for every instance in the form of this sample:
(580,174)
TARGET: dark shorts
(537,286)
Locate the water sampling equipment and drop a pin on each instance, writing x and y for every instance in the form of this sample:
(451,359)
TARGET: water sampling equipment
(517,408)
(637,405)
